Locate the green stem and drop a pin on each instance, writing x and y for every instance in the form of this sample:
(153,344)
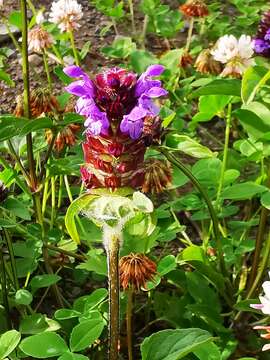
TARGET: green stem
(53,201)
(129,322)
(113,279)
(204,194)
(115,26)
(68,188)
(14,40)
(66,252)
(47,70)
(143,35)
(26,94)
(131,9)
(190,30)
(18,160)
(60,192)
(225,154)
(4,287)
(12,259)
(256,270)
(75,53)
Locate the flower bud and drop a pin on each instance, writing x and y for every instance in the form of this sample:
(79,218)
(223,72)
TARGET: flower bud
(194,8)
(135,270)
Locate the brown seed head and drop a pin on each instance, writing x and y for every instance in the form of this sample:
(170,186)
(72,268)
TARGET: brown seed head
(65,137)
(157,176)
(206,64)
(194,8)
(136,270)
(185,60)
(39,40)
(41,101)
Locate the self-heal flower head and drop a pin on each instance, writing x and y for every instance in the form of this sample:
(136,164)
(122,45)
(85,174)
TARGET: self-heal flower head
(262,39)
(121,120)
(116,99)
(235,54)
(66,14)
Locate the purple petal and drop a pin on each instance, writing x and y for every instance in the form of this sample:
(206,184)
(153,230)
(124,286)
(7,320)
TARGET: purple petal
(156,92)
(261,46)
(267,35)
(77,88)
(137,113)
(148,105)
(133,128)
(83,105)
(154,70)
(74,71)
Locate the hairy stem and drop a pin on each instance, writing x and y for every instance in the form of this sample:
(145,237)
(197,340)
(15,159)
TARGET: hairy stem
(129,322)
(75,53)
(26,94)
(113,278)
(225,154)
(131,10)
(190,30)
(47,70)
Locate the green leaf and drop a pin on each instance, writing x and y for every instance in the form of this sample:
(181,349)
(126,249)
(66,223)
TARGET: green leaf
(255,118)
(72,356)
(15,19)
(95,299)
(122,47)
(251,82)
(265,200)
(23,297)
(243,191)
(6,78)
(44,345)
(208,351)
(85,49)
(142,202)
(8,342)
(189,146)
(166,264)
(75,207)
(64,314)
(10,126)
(40,281)
(140,60)
(17,208)
(33,324)
(84,334)
(173,344)
(219,87)
(36,124)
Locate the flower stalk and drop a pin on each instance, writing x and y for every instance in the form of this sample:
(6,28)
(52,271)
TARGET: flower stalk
(113,279)
(130,294)
(75,53)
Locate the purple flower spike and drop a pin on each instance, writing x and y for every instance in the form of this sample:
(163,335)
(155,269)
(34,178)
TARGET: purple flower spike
(261,46)
(116,96)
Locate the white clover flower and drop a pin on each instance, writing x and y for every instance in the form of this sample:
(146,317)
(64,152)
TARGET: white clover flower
(264,306)
(39,40)
(66,14)
(40,18)
(235,53)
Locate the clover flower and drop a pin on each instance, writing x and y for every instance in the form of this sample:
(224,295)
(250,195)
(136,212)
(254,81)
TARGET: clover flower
(235,54)
(39,40)
(194,8)
(66,14)
(40,18)
(157,176)
(65,137)
(264,307)
(121,120)
(41,101)
(262,40)
(135,270)
(206,64)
